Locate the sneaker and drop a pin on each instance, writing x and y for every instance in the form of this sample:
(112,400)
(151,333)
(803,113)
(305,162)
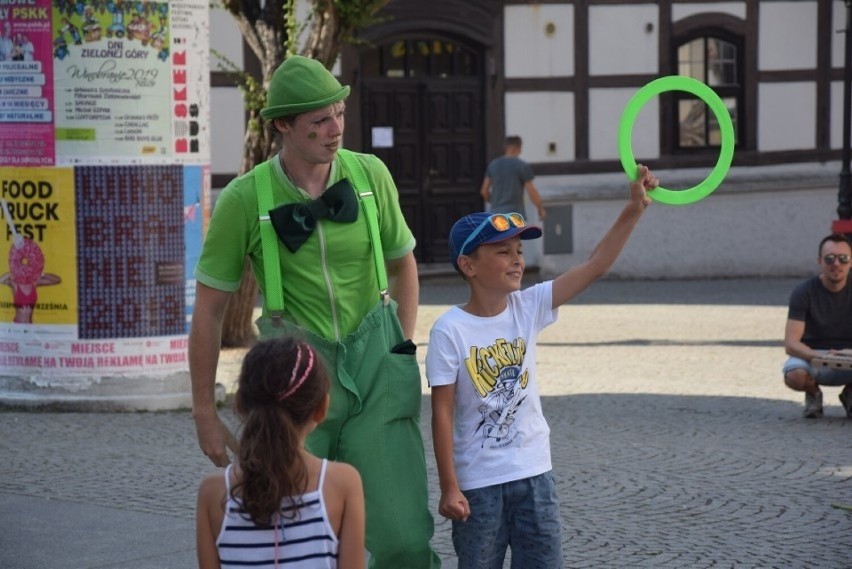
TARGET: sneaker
(846,400)
(813,405)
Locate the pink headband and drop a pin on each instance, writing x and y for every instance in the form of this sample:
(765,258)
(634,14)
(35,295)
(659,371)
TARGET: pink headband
(296,383)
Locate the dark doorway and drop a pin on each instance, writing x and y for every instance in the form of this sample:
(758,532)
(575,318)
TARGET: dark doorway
(423,116)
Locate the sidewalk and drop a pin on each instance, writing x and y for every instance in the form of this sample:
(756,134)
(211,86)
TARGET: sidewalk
(675,445)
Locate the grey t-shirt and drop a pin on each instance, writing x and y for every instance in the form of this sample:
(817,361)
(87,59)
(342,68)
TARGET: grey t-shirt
(508,175)
(827,315)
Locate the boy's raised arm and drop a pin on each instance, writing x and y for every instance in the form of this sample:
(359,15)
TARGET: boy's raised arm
(572,282)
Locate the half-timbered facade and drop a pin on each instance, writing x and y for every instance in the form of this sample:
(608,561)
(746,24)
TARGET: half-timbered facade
(438,85)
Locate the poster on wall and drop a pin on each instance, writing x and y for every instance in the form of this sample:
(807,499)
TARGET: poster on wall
(111,69)
(191,80)
(105,184)
(94,283)
(26,84)
(39,273)
(196,183)
(130,227)
(131,81)
(130,251)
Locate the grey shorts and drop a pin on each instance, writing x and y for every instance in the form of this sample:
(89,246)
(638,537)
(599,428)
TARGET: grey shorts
(822,375)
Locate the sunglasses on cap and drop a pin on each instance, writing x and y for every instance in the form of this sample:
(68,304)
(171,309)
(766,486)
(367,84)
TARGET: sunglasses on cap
(831,258)
(499,221)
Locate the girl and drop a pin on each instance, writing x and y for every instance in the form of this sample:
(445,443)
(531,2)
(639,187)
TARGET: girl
(279,505)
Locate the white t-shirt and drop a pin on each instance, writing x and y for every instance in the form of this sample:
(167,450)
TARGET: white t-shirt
(499,431)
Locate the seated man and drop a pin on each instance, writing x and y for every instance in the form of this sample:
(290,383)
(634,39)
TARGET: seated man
(819,321)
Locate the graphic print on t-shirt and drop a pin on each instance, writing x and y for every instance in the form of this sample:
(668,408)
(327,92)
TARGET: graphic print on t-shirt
(499,378)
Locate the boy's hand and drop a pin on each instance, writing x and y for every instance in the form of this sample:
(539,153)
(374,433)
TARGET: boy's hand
(454,506)
(644,181)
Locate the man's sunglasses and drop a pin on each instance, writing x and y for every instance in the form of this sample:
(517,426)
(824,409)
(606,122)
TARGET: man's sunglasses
(499,221)
(831,258)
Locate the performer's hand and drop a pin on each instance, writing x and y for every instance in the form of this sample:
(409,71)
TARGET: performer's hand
(213,438)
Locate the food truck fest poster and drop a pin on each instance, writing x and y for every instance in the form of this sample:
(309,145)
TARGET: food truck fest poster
(38,248)
(26,84)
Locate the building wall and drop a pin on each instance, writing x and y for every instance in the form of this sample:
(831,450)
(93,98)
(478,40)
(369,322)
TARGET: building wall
(624,43)
(532,48)
(227,115)
(565,72)
(748,227)
(748,234)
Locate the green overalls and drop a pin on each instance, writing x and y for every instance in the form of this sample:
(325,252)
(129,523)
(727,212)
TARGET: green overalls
(373,420)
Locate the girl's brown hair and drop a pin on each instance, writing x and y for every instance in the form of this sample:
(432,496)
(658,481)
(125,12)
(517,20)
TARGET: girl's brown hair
(282,383)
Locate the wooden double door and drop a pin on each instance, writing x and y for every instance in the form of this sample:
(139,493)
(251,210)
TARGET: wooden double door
(430,133)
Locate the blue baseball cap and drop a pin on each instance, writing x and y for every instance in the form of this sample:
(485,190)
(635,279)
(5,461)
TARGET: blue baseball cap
(474,229)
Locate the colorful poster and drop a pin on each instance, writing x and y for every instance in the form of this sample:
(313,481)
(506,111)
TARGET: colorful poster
(112,80)
(99,257)
(38,248)
(196,182)
(131,81)
(116,306)
(26,84)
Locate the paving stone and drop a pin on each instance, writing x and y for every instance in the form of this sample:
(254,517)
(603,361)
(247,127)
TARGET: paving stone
(675,445)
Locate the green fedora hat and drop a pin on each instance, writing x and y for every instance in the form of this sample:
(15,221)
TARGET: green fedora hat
(301,84)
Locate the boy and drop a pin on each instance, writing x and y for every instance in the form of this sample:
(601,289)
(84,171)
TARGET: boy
(491,441)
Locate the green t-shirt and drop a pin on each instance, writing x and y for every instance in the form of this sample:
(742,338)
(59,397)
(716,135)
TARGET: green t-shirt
(330,283)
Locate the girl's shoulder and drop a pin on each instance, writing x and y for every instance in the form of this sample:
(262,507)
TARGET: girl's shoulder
(342,475)
(343,494)
(342,488)
(212,485)
(211,500)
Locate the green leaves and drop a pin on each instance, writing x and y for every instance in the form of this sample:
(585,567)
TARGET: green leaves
(254,95)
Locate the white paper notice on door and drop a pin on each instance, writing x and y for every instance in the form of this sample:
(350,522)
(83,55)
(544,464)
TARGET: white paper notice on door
(382,137)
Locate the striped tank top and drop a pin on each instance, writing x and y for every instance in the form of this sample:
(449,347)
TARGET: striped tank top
(303,541)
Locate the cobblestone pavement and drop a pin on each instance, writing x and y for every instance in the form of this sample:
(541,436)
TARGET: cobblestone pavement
(675,445)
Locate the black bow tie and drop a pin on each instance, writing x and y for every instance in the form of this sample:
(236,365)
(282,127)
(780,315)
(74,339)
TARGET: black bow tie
(295,222)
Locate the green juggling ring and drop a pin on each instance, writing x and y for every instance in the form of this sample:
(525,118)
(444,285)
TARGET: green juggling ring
(726,127)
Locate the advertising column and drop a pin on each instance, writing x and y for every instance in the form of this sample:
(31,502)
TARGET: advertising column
(104,165)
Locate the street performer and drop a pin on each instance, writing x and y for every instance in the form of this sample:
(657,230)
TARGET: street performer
(323,254)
